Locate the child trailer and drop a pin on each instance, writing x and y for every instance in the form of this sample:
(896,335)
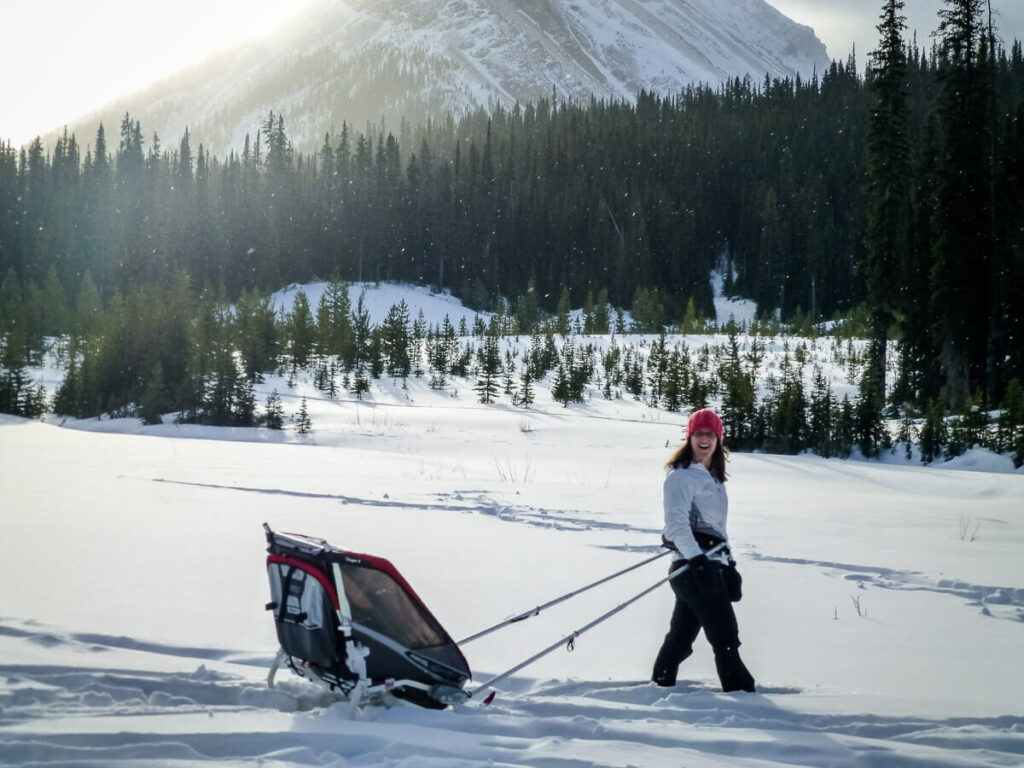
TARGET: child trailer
(351,623)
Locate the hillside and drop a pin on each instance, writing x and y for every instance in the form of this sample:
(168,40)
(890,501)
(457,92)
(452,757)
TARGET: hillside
(360,61)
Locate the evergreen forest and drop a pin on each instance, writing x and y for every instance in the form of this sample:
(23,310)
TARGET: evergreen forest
(893,198)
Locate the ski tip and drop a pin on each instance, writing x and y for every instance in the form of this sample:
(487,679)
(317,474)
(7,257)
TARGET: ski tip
(490,697)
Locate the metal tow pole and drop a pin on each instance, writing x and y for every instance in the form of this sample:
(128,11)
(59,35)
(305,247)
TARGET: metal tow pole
(534,611)
(572,636)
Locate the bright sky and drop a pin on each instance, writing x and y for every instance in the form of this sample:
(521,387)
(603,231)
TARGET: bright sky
(841,23)
(64,58)
(61,59)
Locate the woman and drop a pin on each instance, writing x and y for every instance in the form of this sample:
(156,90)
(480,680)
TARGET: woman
(696,508)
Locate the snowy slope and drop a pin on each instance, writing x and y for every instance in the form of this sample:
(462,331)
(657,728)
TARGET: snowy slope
(132,629)
(378,298)
(364,60)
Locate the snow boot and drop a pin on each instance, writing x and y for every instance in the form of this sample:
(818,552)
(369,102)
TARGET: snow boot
(665,670)
(732,672)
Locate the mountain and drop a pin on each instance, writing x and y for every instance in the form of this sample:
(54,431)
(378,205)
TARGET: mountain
(374,60)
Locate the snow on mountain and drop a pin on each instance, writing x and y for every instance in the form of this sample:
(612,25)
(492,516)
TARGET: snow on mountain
(368,60)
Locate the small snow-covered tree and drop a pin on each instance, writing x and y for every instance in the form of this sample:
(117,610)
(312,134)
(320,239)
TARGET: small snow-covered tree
(273,412)
(489,366)
(303,424)
(396,341)
(509,382)
(525,397)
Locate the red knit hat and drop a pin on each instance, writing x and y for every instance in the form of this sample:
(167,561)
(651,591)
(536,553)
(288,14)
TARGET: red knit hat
(704,419)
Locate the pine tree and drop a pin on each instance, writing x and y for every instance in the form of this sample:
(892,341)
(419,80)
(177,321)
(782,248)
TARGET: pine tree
(88,306)
(396,341)
(419,335)
(821,412)
(55,320)
(612,372)
(339,336)
(872,436)
(632,380)
(562,314)
(11,301)
(154,400)
(598,321)
(560,386)
(303,424)
(509,373)
(488,369)
(362,348)
(528,309)
(273,412)
(657,366)
(675,386)
(963,242)
(788,422)
(934,434)
(1010,425)
(257,333)
(18,396)
(301,331)
(738,398)
(888,166)
(441,353)
(526,396)
(332,380)
(845,430)
(692,322)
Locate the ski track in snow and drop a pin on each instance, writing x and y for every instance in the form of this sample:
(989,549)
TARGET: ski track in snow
(114,716)
(543,518)
(999,602)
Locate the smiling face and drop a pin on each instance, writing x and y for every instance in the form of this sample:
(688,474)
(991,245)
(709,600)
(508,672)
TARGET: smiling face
(703,443)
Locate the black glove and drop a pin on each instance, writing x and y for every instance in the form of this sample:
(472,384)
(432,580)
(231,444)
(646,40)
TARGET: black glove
(733,582)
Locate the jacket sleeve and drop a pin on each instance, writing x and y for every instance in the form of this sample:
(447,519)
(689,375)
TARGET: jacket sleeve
(678,498)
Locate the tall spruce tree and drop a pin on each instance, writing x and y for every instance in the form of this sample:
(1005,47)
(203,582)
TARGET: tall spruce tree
(396,340)
(488,357)
(301,331)
(888,167)
(963,240)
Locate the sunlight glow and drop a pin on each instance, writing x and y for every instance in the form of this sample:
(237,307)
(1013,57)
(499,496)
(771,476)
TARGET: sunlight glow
(64,58)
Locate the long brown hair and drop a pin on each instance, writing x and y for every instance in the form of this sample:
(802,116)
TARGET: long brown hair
(683,458)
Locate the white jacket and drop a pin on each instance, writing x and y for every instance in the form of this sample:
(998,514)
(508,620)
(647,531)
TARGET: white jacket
(694,503)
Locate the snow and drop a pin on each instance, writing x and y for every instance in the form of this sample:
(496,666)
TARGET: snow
(883,610)
(378,298)
(742,311)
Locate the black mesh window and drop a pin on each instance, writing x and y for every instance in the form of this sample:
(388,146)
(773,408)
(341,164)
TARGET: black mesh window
(380,603)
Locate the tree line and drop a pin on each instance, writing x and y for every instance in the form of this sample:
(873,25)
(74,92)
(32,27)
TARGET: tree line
(202,361)
(944,236)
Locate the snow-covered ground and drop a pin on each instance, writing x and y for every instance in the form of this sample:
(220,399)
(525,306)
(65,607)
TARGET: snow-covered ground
(883,613)
(739,310)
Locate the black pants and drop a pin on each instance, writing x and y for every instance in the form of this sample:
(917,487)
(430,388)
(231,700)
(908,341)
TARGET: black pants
(702,604)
